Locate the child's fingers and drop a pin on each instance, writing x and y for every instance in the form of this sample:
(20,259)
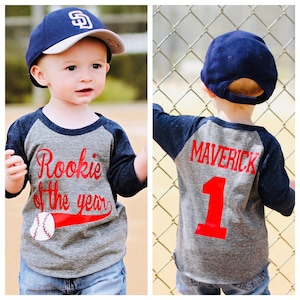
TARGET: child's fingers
(14,161)
(9,153)
(17,170)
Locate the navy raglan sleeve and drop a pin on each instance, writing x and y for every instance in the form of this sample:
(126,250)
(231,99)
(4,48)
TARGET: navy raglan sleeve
(15,140)
(121,174)
(172,132)
(16,137)
(274,187)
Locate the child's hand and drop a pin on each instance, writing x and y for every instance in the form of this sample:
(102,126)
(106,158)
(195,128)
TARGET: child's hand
(15,171)
(140,165)
(292,184)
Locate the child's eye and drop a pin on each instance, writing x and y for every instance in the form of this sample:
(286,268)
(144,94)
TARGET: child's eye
(71,68)
(96,66)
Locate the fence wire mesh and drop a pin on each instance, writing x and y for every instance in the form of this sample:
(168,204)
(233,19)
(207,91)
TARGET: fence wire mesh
(181,35)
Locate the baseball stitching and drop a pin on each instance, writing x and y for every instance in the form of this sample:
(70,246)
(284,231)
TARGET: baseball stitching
(48,234)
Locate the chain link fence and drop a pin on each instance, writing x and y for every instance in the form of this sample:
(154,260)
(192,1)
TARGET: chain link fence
(181,35)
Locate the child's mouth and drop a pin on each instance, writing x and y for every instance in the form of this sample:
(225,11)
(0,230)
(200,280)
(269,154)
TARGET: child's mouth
(85,90)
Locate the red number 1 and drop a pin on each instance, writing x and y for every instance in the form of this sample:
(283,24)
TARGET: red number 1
(212,227)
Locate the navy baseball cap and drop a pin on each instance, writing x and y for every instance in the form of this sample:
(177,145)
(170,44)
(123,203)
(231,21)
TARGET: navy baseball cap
(239,54)
(62,28)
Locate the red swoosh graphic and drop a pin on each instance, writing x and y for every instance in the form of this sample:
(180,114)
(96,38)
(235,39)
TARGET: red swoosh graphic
(62,219)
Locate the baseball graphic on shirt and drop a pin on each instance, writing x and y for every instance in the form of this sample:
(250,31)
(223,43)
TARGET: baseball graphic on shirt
(43,226)
(45,223)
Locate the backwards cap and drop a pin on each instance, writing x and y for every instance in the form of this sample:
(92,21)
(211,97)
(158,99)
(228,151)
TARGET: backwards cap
(239,54)
(61,29)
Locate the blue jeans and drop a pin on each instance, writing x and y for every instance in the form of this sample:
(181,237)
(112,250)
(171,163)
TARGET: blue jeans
(256,286)
(110,281)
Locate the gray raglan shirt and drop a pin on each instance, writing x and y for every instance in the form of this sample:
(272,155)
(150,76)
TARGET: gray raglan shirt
(73,224)
(227,173)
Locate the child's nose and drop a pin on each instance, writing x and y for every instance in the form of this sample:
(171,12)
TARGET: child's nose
(85,75)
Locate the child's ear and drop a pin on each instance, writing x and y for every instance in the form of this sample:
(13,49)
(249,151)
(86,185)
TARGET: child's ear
(207,90)
(38,75)
(107,67)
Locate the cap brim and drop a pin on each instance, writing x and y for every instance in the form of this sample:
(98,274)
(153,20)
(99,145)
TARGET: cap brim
(111,39)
